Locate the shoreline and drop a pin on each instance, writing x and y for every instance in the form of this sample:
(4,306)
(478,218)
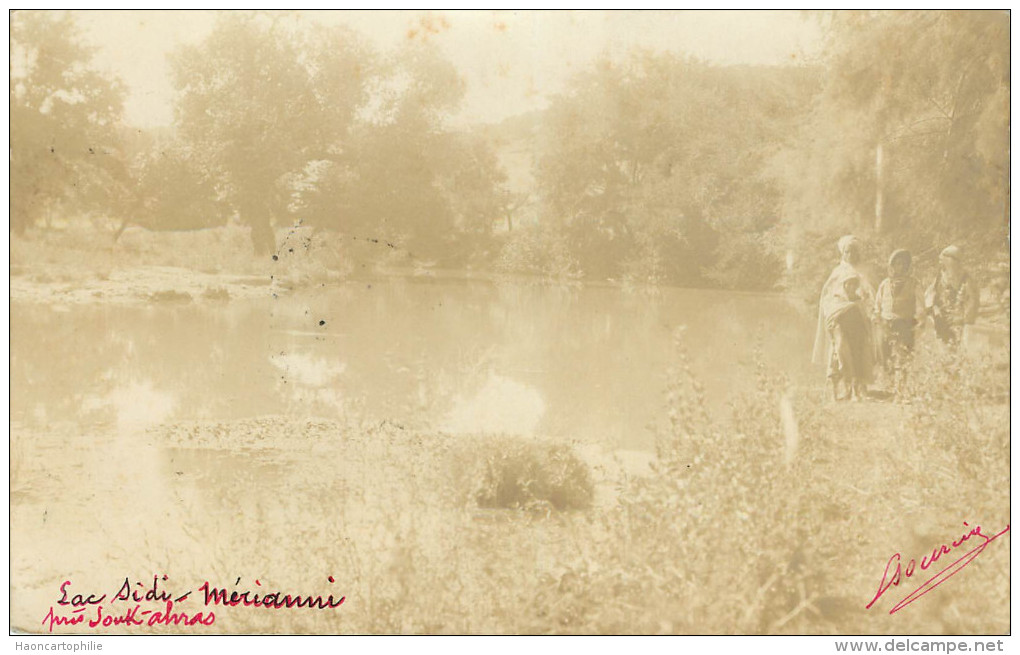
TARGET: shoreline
(164,284)
(172,285)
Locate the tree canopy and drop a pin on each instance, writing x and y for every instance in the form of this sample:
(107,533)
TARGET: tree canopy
(907,141)
(650,167)
(656,167)
(65,148)
(258,101)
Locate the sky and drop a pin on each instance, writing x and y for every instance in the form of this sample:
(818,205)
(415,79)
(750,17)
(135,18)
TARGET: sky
(512,61)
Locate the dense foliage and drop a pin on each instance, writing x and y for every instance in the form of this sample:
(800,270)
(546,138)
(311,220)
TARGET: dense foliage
(907,142)
(64,114)
(650,168)
(656,169)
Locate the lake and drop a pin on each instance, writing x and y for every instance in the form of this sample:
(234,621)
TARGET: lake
(586,364)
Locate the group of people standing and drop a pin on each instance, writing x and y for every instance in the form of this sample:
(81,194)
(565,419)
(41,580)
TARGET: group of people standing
(859,327)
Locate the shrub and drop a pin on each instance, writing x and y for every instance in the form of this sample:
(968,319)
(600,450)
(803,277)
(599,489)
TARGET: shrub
(742,527)
(527,474)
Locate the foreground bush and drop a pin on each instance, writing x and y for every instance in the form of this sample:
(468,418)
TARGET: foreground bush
(527,474)
(781,517)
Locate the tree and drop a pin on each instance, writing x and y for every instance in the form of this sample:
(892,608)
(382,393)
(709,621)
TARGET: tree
(259,101)
(910,132)
(65,149)
(175,192)
(405,177)
(907,141)
(656,167)
(473,181)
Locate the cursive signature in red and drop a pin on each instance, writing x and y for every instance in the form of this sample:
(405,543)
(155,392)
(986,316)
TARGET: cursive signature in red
(895,572)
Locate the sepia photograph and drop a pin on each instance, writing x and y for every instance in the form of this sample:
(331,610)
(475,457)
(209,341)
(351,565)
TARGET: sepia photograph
(478,322)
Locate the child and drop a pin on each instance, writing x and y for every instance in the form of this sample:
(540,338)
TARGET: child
(952,299)
(899,310)
(851,343)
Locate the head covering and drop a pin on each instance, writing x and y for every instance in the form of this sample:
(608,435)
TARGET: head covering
(845,242)
(951,252)
(900,254)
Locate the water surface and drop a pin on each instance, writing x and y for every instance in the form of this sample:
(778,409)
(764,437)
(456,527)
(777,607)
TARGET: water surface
(586,364)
